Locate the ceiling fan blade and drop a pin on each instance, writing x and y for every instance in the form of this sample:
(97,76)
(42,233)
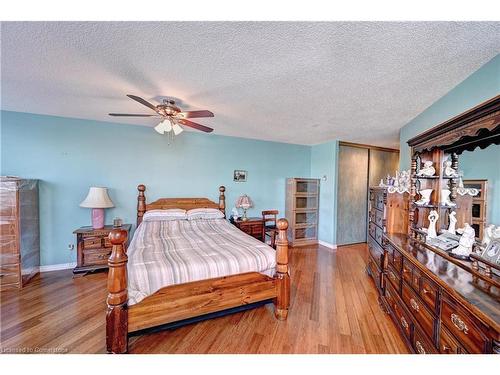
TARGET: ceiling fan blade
(193,114)
(143,102)
(131,115)
(196,126)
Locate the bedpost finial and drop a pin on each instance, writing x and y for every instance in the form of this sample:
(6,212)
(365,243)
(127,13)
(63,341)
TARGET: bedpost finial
(222,188)
(141,187)
(282,224)
(117,236)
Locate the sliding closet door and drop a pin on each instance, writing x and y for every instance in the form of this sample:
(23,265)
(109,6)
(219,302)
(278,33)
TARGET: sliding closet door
(382,163)
(352,192)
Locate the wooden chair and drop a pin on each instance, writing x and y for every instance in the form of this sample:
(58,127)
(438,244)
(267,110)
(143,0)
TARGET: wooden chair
(269,218)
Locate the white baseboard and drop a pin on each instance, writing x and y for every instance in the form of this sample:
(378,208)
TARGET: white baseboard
(57,267)
(327,244)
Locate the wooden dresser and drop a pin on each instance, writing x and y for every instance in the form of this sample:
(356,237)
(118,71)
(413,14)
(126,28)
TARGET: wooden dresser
(94,247)
(254,227)
(387,213)
(302,210)
(19,232)
(436,304)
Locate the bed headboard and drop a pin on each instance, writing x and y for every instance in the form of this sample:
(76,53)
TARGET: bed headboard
(184,203)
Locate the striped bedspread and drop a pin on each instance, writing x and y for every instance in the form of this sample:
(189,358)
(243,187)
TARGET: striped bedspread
(164,253)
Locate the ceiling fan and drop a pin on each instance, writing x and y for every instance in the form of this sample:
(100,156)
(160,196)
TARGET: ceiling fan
(171,115)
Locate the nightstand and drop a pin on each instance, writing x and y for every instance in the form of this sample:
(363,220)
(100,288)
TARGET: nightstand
(254,227)
(94,248)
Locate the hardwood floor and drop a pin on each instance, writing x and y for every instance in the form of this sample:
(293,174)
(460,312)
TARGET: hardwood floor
(333,309)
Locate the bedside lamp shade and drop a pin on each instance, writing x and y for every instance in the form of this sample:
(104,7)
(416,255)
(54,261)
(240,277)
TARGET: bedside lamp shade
(244,202)
(97,199)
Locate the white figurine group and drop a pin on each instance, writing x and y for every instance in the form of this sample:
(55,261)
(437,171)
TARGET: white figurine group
(467,239)
(428,169)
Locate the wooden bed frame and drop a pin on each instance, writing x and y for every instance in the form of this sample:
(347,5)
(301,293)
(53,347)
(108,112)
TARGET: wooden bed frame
(183,301)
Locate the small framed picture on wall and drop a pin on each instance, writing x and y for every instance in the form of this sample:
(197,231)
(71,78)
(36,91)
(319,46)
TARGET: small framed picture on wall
(240,176)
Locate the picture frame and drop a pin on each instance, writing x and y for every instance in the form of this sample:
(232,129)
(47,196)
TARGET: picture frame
(239,175)
(492,253)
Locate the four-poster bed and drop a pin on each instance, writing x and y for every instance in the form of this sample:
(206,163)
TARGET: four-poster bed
(183,300)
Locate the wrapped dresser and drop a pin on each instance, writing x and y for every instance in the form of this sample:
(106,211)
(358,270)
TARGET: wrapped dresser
(19,232)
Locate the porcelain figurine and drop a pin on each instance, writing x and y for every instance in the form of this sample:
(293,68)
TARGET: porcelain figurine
(488,235)
(448,170)
(235,213)
(425,197)
(445,198)
(466,242)
(453,221)
(431,230)
(427,170)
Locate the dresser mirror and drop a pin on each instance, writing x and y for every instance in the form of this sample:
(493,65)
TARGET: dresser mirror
(480,170)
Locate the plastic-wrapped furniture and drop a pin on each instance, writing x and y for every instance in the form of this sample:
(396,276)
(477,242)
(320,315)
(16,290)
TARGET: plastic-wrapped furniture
(19,232)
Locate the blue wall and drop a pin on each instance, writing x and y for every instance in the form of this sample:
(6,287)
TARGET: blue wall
(485,164)
(478,87)
(69,155)
(324,163)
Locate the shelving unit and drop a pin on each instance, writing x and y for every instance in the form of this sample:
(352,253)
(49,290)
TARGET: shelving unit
(302,204)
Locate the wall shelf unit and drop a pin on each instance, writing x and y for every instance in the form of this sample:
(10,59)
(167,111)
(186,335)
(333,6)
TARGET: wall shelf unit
(302,204)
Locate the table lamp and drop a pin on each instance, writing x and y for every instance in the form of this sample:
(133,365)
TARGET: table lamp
(244,202)
(98,200)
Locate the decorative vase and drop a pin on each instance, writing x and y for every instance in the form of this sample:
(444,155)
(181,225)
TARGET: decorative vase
(445,198)
(425,197)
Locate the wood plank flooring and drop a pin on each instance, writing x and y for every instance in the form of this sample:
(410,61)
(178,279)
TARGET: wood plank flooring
(333,309)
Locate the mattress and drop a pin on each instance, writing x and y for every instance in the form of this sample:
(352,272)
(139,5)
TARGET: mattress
(164,253)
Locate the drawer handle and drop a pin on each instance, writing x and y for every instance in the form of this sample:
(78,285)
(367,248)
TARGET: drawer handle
(420,348)
(404,323)
(101,256)
(406,270)
(446,348)
(459,323)
(425,291)
(414,305)
(392,276)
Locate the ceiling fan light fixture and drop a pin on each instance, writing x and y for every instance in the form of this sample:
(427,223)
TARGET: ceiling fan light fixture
(177,129)
(163,127)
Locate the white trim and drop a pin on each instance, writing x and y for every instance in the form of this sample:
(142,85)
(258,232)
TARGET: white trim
(57,267)
(327,244)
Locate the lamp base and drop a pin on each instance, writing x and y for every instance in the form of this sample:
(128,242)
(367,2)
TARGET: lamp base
(244,218)
(98,218)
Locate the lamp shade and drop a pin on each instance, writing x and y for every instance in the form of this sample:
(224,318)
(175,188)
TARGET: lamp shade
(244,202)
(97,198)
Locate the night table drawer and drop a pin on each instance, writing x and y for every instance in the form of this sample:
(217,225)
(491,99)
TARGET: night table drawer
(96,256)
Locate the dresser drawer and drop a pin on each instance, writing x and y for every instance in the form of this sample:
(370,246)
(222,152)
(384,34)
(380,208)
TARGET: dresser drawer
(403,320)
(421,344)
(379,200)
(379,218)
(9,275)
(8,244)
(376,251)
(374,272)
(371,230)
(390,296)
(468,330)
(421,314)
(428,292)
(393,277)
(407,271)
(395,258)
(448,344)
(96,256)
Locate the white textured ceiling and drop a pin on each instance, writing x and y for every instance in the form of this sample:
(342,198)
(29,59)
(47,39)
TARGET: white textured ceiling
(294,82)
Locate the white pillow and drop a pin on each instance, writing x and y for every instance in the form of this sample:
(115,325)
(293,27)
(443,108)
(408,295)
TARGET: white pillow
(165,215)
(204,213)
